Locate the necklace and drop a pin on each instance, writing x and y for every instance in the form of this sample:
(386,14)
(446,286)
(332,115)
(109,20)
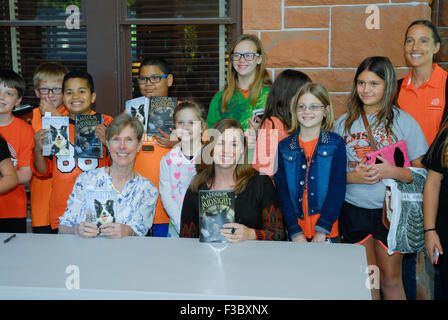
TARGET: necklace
(113,187)
(111,182)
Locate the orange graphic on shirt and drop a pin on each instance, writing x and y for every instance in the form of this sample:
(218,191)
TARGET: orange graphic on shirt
(361,151)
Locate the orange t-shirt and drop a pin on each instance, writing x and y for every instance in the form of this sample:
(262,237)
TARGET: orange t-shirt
(267,143)
(20,138)
(65,170)
(427,103)
(40,187)
(147,163)
(309,222)
(245,93)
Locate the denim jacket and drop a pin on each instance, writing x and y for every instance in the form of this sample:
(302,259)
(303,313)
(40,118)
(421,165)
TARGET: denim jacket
(326,180)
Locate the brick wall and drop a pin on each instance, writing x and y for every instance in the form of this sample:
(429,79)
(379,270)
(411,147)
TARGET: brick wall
(439,16)
(327,39)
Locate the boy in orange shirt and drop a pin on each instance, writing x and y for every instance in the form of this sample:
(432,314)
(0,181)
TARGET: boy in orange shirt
(19,136)
(79,95)
(48,87)
(155,79)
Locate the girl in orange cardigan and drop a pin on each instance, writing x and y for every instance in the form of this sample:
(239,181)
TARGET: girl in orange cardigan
(276,120)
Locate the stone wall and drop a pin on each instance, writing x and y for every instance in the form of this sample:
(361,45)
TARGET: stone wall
(327,39)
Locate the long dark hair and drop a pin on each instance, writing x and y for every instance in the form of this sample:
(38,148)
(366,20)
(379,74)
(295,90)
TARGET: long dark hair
(384,69)
(283,90)
(206,171)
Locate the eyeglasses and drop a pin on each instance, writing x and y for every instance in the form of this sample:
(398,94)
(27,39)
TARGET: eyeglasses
(47,90)
(248,56)
(313,107)
(152,79)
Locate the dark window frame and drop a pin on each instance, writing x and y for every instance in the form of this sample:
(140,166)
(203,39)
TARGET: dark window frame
(112,72)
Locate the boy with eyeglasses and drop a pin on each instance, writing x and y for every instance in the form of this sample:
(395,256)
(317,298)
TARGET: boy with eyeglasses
(47,81)
(154,80)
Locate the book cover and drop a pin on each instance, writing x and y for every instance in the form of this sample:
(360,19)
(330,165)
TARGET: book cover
(161,114)
(100,206)
(87,144)
(216,208)
(57,142)
(257,113)
(396,153)
(139,108)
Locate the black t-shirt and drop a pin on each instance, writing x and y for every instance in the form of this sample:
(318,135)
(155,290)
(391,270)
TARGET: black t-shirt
(256,207)
(434,163)
(4,150)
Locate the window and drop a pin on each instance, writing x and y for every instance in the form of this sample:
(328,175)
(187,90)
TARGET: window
(192,35)
(193,51)
(115,35)
(33,32)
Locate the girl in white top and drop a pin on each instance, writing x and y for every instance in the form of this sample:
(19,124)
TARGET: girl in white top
(177,167)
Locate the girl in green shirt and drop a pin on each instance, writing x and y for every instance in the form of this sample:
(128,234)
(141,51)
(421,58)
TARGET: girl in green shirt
(248,84)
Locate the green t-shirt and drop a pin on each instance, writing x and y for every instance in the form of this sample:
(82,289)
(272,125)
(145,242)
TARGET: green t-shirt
(239,108)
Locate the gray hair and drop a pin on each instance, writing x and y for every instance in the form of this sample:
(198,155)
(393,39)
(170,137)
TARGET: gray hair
(120,122)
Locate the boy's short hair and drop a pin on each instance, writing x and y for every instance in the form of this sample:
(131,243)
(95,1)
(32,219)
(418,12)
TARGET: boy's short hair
(49,71)
(159,62)
(79,74)
(12,79)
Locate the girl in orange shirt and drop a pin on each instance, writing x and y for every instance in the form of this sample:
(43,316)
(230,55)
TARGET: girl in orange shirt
(276,120)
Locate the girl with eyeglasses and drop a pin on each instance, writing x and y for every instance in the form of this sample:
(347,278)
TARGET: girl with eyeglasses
(247,87)
(360,220)
(311,178)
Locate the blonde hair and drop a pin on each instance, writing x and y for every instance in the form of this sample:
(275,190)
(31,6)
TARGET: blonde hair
(200,112)
(261,78)
(49,71)
(321,93)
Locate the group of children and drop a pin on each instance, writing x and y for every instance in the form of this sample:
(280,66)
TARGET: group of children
(326,189)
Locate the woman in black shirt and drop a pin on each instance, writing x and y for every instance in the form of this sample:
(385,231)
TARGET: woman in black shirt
(435,204)
(257,213)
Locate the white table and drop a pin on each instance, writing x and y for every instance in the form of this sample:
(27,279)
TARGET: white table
(34,266)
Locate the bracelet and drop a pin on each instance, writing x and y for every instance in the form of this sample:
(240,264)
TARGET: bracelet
(427,230)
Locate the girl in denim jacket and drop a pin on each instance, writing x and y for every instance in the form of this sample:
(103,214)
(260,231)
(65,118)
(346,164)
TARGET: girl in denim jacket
(311,177)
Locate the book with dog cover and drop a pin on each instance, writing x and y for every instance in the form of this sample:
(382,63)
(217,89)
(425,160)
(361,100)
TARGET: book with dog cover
(161,111)
(100,206)
(57,142)
(138,108)
(87,144)
(216,208)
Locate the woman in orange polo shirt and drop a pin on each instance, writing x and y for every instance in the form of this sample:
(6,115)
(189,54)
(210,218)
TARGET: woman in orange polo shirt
(422,91)
(422,94)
